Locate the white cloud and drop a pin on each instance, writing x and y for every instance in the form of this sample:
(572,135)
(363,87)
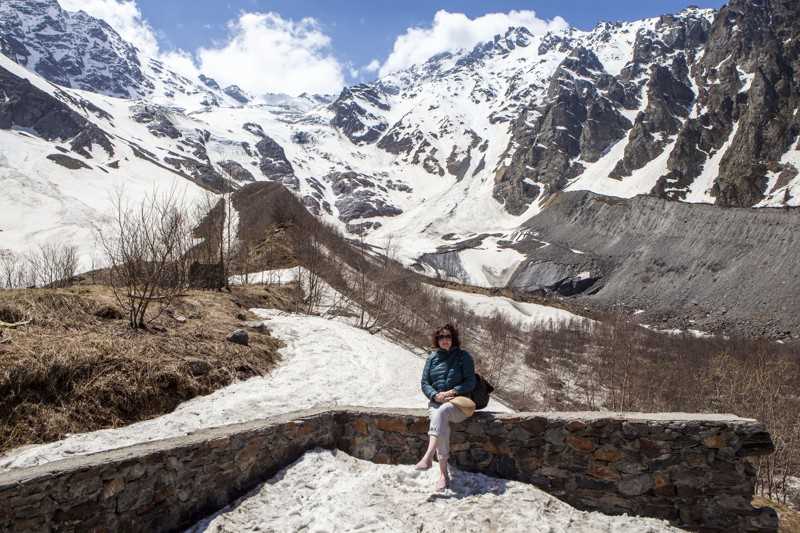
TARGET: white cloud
(122,15)
(263,53)
(267,53)
(359,73)
(454,31)
(181,62)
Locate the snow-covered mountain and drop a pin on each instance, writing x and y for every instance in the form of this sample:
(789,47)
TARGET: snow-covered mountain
(448,158)
(74,49)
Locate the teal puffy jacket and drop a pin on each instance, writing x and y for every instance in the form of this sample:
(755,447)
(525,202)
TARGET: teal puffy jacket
(448,369)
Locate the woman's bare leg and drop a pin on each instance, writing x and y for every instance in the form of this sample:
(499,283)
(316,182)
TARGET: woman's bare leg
(427,460)
(444,475)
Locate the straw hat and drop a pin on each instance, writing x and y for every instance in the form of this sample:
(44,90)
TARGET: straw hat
(464,404)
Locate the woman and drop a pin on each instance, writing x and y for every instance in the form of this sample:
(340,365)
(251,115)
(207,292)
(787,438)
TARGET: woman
(449,372)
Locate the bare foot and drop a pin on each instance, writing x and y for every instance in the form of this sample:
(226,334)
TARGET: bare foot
(424,464)
(442,484)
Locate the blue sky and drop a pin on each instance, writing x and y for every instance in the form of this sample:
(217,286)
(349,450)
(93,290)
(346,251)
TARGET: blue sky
(285,45)
(362,30)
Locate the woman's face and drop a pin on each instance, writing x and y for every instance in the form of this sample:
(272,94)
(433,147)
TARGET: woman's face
(445,339)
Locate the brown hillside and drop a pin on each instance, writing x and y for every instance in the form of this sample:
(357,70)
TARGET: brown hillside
(71,371)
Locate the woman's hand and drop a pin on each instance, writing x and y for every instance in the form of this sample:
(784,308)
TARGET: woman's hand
(442,397)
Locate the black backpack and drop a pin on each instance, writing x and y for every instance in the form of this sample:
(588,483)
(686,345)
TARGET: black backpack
(480,394)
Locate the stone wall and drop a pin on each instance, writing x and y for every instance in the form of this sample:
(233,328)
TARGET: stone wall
(689,469)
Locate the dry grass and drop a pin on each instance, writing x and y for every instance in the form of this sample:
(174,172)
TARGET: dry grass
(789,518)
(71,371)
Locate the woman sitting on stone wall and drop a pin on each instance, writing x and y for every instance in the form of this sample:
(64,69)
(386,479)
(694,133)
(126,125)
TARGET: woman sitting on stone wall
(448,376)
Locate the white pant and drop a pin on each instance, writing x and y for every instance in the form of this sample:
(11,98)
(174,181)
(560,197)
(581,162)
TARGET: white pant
(442,415)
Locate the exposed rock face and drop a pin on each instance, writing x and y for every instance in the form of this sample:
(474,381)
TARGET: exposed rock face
(201,172)
(362,228)
(25,106)
(236,171)
(316,202)
(211,83)
(587,109)
(273,164)
(198,168)
(237,94)
(157,120)
(663,57)
(68,162)
(580,121)
(749,78)
(668,101)
(88,137)
(354,114)
(742,119)
(359,197)
(413,146)
(680,262)
(70,49)
(254,129)
(364,204)
(344,183)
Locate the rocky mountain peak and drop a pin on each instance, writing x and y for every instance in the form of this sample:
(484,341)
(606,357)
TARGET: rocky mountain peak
(71,49)
(357,112)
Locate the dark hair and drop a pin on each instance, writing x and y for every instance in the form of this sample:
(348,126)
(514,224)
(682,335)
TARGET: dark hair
(453,333)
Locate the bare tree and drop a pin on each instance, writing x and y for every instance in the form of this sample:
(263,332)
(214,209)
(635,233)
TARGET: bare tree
(146,252)
(48,265)
(311,254)
(499,329)
(10,265)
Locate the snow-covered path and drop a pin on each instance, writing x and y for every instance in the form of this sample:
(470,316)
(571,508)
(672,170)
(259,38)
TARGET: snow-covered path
(324,362)
(331,491)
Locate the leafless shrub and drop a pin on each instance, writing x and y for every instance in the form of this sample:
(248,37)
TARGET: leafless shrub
(500,332)
(310,253)
(11,270)
(146,252)
(48,265)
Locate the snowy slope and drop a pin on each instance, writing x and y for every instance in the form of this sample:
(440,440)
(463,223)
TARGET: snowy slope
(337,365)
(43,201)
(426,157)
(331,491)
(527,315)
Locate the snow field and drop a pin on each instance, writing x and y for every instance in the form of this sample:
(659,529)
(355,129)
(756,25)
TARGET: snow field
(527,315)
(331,491)
(490,265)
(278,276)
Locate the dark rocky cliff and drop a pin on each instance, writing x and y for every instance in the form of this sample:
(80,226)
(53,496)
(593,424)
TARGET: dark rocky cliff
(731,85)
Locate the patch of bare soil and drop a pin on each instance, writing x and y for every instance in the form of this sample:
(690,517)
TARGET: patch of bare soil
(78,367)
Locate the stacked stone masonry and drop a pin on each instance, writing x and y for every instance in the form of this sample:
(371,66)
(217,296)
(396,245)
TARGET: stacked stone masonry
(688,469)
